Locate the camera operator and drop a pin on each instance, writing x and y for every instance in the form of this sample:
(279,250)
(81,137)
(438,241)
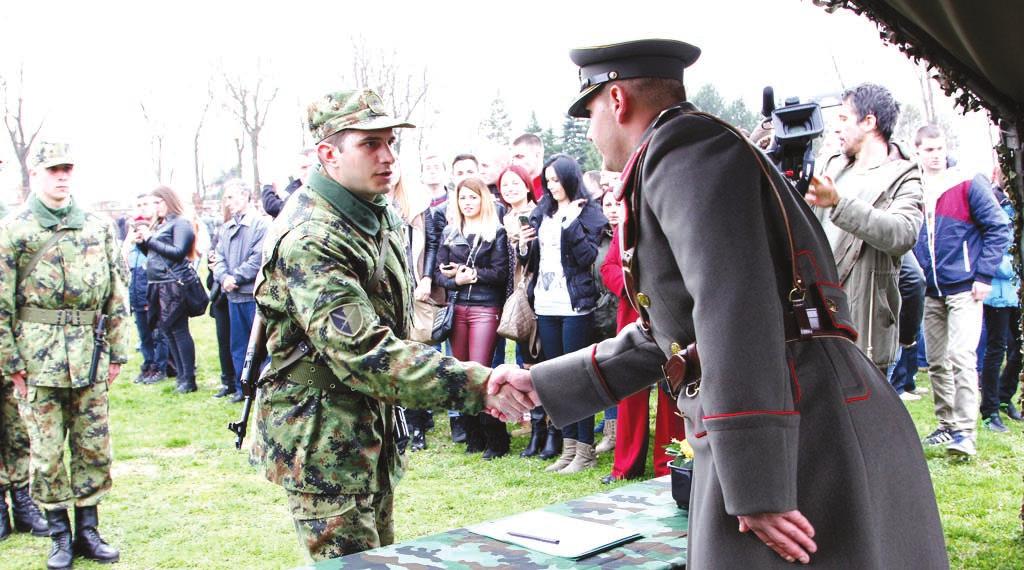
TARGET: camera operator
(871,206)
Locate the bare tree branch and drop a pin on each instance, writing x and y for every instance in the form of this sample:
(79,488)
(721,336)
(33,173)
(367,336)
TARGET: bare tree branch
(14,122)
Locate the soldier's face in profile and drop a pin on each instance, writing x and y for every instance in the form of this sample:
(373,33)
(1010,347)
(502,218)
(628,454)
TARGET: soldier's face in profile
(54,183)
(364,162)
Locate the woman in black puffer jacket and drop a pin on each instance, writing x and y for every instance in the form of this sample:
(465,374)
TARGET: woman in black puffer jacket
(559,249)
(169,245)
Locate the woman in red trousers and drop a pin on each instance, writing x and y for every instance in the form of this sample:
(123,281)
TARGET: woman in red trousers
(633,429)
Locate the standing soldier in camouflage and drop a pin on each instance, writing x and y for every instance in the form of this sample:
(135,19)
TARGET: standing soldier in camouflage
(59,273)
(335,293)
(14,456)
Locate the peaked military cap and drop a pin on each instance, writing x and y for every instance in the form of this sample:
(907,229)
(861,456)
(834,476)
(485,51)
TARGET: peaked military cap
(359,109)
(628,60)
(51,154)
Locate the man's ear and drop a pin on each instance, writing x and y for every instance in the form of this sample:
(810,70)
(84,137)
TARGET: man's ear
(619,102)
(326,152)
(870,123)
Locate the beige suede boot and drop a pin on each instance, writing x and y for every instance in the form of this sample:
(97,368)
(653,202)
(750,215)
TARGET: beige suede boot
(585,458)
(608,441)
(567,457)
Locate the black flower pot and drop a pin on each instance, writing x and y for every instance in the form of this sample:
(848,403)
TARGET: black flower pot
(682,479)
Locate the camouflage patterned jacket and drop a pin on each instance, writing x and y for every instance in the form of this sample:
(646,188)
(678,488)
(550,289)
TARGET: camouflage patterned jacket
(82,270)
(318,262)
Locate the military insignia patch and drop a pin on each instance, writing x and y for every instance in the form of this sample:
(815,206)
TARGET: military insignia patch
(347,319)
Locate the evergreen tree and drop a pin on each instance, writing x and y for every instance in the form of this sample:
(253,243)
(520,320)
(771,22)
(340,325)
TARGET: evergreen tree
(552,142)
(739,115)
(709,100)
(574,138)
(533,126)
(497,126)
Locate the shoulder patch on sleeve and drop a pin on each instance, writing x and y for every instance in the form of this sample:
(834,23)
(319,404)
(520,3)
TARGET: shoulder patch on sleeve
(348,319)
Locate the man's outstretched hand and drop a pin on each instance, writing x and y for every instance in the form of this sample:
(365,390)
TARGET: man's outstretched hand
(510,393)
(788,534)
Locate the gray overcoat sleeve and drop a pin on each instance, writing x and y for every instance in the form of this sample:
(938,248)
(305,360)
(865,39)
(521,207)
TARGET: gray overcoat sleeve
(581,383)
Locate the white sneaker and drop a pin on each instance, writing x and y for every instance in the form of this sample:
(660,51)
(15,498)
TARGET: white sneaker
(920,390)
(909,396)
(961,445)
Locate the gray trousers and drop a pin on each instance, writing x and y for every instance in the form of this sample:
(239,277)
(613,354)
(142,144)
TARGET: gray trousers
(952,327)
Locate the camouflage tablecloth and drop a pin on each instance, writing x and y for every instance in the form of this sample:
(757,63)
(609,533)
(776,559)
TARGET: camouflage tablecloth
(646,508)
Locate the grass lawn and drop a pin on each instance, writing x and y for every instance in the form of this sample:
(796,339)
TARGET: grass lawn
(183,497)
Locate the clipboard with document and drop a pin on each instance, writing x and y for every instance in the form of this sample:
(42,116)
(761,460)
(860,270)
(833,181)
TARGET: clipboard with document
(554,534)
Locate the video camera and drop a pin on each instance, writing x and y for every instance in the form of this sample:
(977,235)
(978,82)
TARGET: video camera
(795,127)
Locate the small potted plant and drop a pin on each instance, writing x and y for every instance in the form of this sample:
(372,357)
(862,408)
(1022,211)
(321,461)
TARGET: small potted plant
(681,468)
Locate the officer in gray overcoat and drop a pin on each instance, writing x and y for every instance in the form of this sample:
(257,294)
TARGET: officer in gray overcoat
(797,435)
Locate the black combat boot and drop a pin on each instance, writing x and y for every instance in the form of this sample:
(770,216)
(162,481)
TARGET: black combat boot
(538,436)
(27,517)
(88,542)
(496,438)
(458,424)
(5,519)
(60,534)
(553,446)
(474,434)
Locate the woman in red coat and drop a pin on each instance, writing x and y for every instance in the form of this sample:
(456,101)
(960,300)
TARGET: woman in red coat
(633,429)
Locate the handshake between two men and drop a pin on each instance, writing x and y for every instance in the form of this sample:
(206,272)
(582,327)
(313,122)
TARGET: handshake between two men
(510,393)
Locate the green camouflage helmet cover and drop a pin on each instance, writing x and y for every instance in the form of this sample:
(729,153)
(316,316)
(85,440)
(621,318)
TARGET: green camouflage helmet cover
(52,154)
(360,109)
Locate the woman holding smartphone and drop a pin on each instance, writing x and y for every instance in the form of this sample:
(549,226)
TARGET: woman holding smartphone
(560,248)
(170,245)
(472,264)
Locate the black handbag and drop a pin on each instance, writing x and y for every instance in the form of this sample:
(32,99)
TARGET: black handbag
(443,320)
(193,293)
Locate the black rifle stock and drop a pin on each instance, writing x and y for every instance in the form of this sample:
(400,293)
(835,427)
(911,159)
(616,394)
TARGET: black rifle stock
(255,354)
(99,344)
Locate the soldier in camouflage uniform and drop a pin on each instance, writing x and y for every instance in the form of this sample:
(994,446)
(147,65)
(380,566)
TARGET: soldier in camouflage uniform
(14,459)
(335,292)
(59,270)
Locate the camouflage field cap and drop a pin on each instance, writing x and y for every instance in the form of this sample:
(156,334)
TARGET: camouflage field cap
(52,154)
(360,109)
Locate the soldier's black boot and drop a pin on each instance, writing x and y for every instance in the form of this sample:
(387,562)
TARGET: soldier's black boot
(475,442)
(27,517)
(458,424)
(60,534)
(88,542)
(5,519)
(538,437)
(553,446)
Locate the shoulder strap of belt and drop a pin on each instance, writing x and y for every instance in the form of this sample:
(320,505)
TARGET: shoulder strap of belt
(38,255)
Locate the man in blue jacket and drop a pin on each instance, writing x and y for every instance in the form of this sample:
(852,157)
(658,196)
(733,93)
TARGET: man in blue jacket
(960,247)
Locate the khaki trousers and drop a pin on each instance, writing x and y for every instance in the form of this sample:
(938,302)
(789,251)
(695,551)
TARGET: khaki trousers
(952,327)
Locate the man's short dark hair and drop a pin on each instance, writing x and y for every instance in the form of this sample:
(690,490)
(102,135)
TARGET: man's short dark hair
(528,139)
(872,99)
(928,132)
(656,92)
(338,138)
(465,156)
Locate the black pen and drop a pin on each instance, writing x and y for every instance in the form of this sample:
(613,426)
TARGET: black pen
(532,537)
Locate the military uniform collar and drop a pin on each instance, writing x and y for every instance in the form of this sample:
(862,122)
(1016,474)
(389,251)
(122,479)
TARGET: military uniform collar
(364,214)
(74,218)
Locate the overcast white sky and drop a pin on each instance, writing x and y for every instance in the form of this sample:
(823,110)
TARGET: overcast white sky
(89,64)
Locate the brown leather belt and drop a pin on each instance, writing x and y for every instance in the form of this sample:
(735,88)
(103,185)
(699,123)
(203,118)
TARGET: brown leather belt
(682,369)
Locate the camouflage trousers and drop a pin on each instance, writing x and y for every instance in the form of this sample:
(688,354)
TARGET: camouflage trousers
(14,445)
(330,526)
(81,416)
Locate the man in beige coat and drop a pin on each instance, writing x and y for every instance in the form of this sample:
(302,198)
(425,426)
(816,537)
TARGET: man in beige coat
(871,206)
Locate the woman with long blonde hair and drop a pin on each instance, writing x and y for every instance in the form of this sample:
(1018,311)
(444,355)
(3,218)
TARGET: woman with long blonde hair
(473,266)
